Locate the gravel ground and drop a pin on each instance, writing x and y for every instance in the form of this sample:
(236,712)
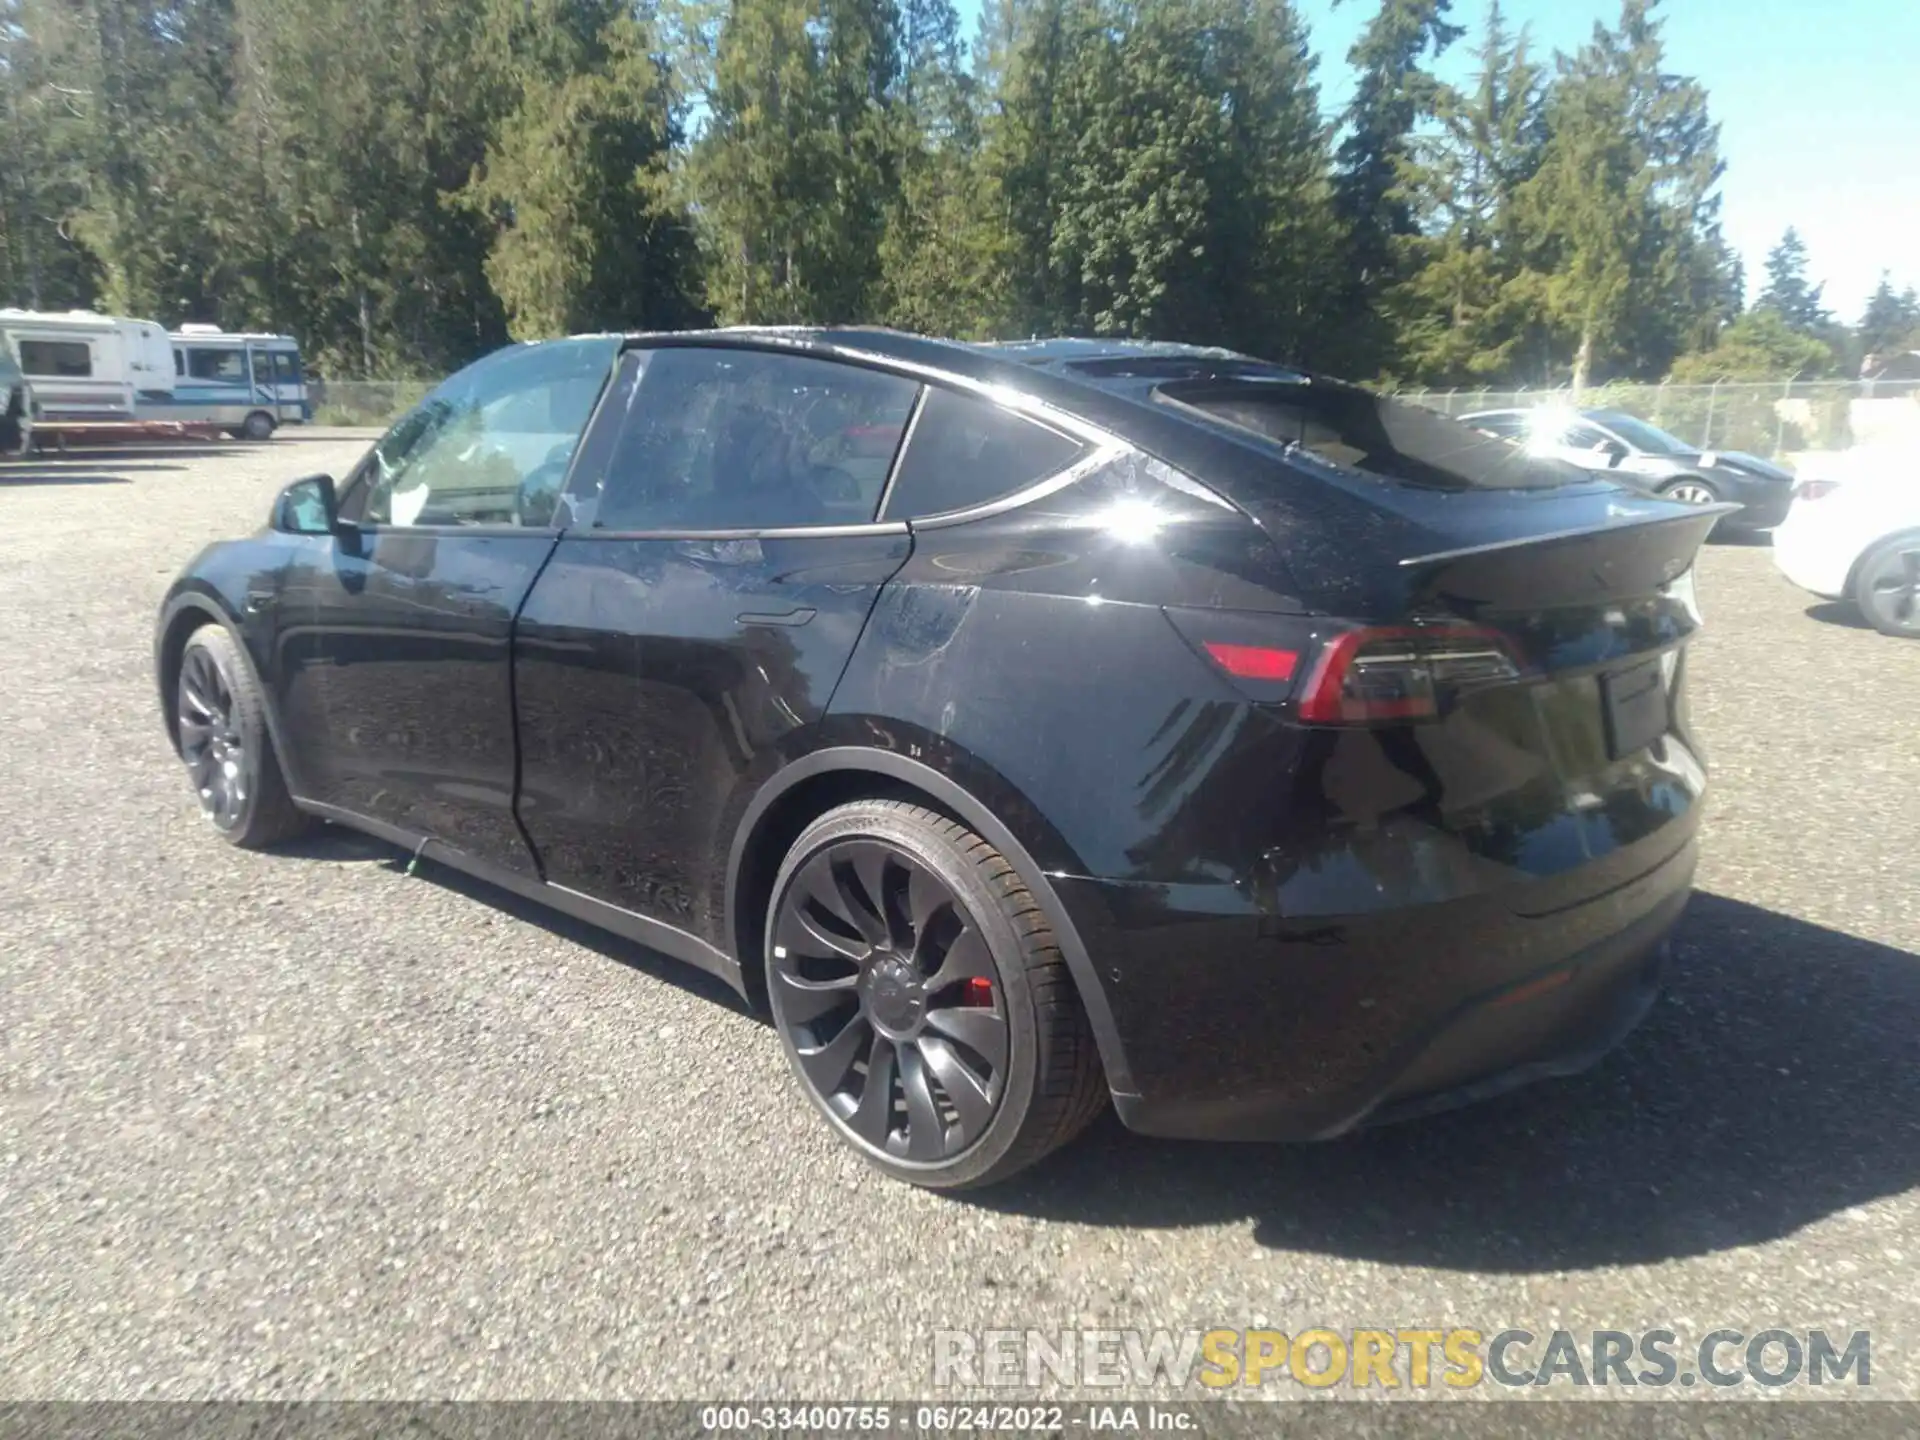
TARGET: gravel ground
(297,1125)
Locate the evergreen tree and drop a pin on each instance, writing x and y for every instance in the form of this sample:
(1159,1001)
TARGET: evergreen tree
(1788,292)
(1466,312)
(943,254)
(1378,167)
(792,178)
(43,177)
(1623,200)
(1760,345)
(576,173)
(1891,323)
(1163,171)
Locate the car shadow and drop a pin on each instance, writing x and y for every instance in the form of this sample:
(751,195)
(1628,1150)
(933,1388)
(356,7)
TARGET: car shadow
(139,450)
(1772,1086)
(39,476)
(338,844)
(1838,612)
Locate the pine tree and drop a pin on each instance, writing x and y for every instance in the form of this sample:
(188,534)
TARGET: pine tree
(1891,323)
(1163,172)
(575,177)
(791,180)
(1377,172)
(1623,200)
(1466,311)
(43,175)
(943,254)
(1788,292)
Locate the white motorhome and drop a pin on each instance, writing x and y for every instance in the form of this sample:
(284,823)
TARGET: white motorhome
(248,384)
(88,367)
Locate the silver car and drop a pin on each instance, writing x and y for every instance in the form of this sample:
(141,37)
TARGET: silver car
(1627,447)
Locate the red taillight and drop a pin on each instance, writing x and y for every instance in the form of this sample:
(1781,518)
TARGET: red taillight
(1400,673)
(1254,662)
(1814,489)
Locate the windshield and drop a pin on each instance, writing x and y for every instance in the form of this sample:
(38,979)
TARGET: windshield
(1641,435)
(1361,433)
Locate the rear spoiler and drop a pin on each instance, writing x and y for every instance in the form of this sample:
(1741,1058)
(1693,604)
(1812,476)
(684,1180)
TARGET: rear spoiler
(1595,564)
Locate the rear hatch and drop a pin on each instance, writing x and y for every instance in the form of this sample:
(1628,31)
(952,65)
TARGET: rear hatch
(1510,635)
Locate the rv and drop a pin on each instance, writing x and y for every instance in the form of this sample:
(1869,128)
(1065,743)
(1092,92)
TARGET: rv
(87,367)
(248,384)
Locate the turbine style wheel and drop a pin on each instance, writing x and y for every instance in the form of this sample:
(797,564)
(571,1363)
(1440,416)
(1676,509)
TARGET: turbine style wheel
(225,744)
(217,756)
(1887,587)
(922,1000)
(1691,492)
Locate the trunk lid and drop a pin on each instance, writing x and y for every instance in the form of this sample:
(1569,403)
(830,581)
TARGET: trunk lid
(1569,773)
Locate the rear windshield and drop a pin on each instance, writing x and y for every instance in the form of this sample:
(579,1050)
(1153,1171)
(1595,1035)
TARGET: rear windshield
(1371,436)
(1639,434)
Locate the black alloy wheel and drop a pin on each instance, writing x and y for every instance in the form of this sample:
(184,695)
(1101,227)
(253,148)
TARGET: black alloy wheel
(221,731)
(219,761)
(893,1000)
(921,997)
(1887,587)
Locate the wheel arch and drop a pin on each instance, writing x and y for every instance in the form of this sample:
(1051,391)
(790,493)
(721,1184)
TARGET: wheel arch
(186,612)
(1853,570)
(184,615)
(808,787)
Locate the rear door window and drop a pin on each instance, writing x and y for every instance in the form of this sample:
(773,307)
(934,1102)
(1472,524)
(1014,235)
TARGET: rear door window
(966,452)
(736,439)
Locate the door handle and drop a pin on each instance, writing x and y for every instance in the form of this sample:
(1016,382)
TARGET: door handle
(798,616)
(260,600)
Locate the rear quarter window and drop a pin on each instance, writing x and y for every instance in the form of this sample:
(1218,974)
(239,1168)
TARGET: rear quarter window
(965,452)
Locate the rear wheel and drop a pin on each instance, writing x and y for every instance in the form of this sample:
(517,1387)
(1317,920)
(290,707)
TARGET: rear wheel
(922,998)
(258,426)
(1886,587)
(225,744)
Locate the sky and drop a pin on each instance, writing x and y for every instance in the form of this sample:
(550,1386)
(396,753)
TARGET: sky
(1818,103)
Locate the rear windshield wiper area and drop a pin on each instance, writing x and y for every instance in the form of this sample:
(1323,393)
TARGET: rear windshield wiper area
(1367,435)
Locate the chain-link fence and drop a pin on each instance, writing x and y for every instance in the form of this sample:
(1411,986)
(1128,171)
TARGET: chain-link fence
(1773,419)
(376,403)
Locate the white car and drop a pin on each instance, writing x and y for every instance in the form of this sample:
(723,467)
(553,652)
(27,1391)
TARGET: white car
(1854,534)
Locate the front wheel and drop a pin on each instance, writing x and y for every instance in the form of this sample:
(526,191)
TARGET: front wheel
(1691,491)
(922,998)
(1886,587)
(224,742)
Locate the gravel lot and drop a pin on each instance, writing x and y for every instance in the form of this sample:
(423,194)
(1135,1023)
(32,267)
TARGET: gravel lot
(297,1125)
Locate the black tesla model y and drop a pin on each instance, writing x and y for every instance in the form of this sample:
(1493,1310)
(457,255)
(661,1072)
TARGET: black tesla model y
(1024,727)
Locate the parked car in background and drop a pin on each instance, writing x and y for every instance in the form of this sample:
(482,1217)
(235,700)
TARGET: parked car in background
(1026,728)
(1644,455)
(1853,534)
(16,403)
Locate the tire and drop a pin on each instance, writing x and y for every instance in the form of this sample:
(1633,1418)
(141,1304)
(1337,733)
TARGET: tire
(258,426)
(1048,1085)
(1886,586)
(1691,490)
(226,746)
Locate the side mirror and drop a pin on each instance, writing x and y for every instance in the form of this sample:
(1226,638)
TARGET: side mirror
(307,507)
